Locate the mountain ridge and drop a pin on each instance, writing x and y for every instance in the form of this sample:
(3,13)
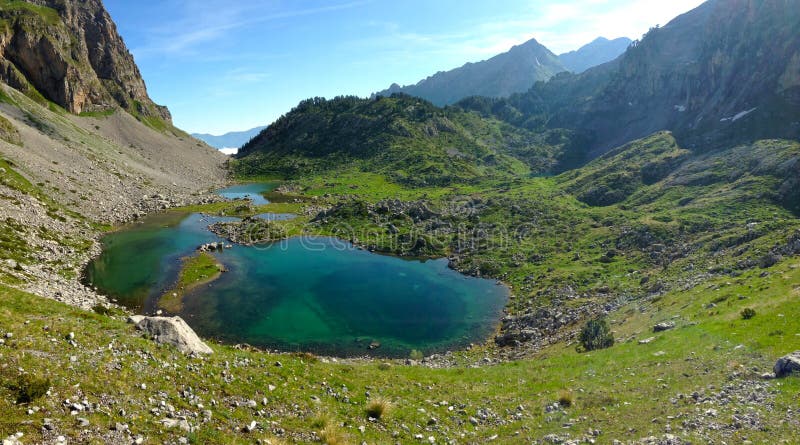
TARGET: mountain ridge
(721,74)
(231,139)
(599,51)
(501,75)
(405,137)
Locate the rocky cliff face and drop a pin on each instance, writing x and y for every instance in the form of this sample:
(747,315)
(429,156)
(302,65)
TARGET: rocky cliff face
(69,51)
(727,72)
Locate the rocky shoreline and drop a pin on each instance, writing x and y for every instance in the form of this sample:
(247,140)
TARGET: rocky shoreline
(51,242)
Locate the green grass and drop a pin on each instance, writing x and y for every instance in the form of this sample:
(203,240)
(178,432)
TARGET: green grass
(540,238)
(98,114)
(8,132)
(617,390)
(196,270)
(50,15)
(5,98)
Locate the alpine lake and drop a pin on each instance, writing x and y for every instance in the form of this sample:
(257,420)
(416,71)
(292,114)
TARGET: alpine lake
(311,294)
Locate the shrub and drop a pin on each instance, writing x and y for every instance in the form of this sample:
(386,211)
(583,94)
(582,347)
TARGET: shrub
(748,313)
(100,309)
(416,355)
(30,387)
(378,407)
(596,335)
(565,398)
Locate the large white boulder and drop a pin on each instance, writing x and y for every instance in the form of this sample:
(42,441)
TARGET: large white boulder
(173,331)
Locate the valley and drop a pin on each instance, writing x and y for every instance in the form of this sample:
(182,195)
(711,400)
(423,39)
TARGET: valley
(397,270)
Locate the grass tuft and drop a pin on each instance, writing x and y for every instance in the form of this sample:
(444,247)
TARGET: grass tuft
(565,398)
(331,435)
(378,408)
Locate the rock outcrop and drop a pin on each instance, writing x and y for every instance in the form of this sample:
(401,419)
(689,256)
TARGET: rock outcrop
(69,51)
(173,331)
(664,326)
(787,365)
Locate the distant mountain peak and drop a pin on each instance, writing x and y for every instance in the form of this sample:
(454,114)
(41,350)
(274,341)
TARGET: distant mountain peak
(724,73)
(514,71)
(598,52)
(233,139)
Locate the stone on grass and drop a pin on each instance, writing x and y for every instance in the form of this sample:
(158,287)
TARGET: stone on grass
(787,365)
(135,319)
(664,326)
(177,423)
(173,331)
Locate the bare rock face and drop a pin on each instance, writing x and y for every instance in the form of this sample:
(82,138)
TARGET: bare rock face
(173,331)
(69,51)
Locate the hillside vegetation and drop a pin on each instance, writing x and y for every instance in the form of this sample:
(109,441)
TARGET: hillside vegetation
(406,139)
(635,196)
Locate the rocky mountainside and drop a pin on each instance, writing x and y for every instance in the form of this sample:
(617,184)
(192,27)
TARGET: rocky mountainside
(598,52)
(233,139)
(514,71)
(82,146)
(726,72)
(70,53)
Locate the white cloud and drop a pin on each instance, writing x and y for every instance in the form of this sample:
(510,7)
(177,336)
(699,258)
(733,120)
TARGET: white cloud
(204,25)
(245,75)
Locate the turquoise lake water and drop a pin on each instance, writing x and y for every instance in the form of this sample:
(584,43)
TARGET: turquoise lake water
(320,295)
(251,190)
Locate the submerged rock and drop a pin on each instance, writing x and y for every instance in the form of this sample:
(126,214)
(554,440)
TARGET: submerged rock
(787,365)
(173,331)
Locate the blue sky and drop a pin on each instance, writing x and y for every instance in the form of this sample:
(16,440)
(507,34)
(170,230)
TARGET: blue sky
(225,65)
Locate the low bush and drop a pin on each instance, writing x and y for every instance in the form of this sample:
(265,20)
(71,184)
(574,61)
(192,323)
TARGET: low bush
(596,335)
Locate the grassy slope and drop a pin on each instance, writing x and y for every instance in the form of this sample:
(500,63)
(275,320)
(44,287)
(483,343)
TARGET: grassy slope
(405,139)
(618,391)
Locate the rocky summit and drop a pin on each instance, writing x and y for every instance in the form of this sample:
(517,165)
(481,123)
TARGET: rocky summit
(71,53)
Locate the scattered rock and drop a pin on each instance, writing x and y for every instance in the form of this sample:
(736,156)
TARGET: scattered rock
(173,331)
(13,439)
(787,365)
(177,423)
(135,319)
(664,326)
(212,247)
